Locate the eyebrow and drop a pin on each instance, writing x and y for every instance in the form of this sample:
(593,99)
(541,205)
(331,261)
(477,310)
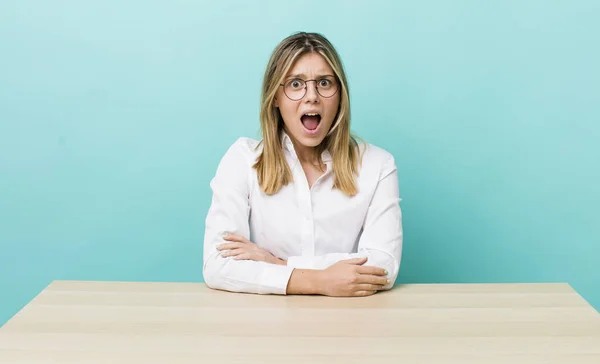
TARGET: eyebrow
(303,76)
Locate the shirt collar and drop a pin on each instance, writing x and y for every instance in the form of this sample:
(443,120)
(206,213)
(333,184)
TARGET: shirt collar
(286,143)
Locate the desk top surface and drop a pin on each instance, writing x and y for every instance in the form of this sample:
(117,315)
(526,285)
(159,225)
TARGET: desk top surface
(123,322)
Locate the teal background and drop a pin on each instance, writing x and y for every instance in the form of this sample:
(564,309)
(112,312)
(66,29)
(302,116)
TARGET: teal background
(114,115)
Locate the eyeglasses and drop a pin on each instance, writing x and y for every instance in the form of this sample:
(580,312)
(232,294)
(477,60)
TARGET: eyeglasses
(295,89)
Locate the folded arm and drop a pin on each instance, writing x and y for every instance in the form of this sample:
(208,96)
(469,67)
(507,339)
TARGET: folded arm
(381,239)
(331,274)
(228,213)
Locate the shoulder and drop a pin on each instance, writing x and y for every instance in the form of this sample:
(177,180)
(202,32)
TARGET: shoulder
(376,160)
(243,151)
(374,153)
(236,164)
(245,146)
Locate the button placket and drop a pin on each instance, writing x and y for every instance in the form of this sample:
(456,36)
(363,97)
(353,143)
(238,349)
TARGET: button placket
(304,198)
(310,227)
(307,221)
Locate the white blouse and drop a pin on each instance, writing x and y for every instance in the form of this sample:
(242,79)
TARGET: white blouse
(311,228)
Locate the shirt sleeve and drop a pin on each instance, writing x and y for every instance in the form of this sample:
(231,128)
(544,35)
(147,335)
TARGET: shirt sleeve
(229,212)
(382,235)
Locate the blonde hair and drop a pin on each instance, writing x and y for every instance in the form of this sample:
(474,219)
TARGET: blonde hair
(271,166)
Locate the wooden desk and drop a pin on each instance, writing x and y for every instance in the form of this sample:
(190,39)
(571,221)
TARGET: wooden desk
(102,322)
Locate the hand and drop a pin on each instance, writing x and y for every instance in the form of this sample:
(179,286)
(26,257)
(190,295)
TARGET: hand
(241,248)
(350,278)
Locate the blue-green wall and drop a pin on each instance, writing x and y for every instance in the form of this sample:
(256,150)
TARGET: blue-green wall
(113,117)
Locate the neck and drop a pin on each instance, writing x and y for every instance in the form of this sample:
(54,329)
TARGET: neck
(307,154)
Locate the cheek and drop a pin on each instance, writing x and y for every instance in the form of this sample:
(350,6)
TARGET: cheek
(288,109)
(333,107)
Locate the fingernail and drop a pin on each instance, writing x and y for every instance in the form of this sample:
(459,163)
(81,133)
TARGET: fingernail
(388,281)
(385,271)
(225,235)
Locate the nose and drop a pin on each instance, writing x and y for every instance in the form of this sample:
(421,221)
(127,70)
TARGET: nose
(311,92)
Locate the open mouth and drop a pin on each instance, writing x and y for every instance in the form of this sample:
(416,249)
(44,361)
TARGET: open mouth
(311,121)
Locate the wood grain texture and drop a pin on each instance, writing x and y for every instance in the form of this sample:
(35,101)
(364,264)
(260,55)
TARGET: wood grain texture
(130,322)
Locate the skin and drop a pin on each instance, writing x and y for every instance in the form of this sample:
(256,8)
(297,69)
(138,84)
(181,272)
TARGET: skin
(346,278)
(310,66)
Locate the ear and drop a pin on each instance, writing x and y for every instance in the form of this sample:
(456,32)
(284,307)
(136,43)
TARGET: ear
(275,102)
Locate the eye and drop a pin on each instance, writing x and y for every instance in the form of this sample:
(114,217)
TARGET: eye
(295,84)
(324,83)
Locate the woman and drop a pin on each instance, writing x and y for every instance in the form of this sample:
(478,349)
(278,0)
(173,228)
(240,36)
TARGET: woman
(308,209)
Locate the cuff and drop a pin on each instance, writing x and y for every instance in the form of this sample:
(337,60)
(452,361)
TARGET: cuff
(275,278)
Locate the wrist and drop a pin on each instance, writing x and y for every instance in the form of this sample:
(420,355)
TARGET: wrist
(306,281)
(319,281)
(278,261)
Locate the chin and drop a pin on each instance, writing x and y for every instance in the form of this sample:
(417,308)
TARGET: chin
(310,139)
(311,142)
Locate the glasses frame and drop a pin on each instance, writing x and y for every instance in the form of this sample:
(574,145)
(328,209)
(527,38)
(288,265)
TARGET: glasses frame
(316,86)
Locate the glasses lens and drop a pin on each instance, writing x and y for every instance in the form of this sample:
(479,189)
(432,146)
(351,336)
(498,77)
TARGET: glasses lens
(294,89)
(327,86)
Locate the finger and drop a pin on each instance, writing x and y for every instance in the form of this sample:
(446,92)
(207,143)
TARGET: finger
(359,261)
(238,238)
(371,279)
(369,287)
(232,237)
(364,293)
(372,270)
(226,246)
(232,253)
(243,256)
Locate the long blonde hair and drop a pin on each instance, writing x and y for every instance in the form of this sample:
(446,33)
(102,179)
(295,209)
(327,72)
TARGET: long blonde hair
(271,166)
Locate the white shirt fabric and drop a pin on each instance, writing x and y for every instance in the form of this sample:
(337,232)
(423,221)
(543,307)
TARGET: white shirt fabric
(311,228)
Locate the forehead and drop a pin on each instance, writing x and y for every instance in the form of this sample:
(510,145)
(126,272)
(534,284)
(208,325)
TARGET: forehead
(310,65)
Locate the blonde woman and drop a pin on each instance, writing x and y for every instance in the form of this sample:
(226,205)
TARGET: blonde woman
(308,209)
